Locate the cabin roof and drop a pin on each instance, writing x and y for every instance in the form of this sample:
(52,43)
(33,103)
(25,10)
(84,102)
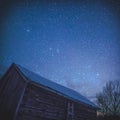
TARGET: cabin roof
(67,92)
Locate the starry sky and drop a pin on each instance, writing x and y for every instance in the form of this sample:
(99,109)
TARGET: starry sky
(73,43)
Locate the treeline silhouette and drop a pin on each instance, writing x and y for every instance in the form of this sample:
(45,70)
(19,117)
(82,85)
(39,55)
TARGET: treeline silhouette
(109,101)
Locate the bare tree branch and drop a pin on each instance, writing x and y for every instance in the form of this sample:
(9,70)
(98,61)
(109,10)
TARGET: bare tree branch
(109,99)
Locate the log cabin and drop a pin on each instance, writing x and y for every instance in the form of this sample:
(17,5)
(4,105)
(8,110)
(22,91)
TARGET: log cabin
(24,95)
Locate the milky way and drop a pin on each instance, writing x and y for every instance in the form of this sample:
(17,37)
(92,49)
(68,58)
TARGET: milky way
(74,44)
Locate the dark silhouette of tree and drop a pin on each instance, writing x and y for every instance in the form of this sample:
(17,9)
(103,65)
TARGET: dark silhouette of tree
(109,99)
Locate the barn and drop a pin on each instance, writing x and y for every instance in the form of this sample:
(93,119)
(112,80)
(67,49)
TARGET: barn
(25,95)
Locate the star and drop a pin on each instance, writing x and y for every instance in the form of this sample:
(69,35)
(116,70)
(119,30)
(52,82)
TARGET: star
(97,74)
(89,66)
(50,49)
(58,50)
(28,30)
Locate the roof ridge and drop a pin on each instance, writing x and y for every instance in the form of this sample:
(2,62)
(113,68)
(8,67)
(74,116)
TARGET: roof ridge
(45,78)
(36,78)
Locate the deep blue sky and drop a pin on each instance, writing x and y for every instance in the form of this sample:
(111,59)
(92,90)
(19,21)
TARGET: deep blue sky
(75,44)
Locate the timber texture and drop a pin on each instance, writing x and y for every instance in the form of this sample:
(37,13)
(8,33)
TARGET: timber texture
(21,99)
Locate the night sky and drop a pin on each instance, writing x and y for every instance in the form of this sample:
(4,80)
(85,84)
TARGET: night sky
(75,44)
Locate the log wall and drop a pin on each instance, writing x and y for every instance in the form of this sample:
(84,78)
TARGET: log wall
(10,93)
(41,104)
(84,112)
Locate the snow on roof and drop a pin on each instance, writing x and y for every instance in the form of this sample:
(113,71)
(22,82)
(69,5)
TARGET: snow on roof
(67,92)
